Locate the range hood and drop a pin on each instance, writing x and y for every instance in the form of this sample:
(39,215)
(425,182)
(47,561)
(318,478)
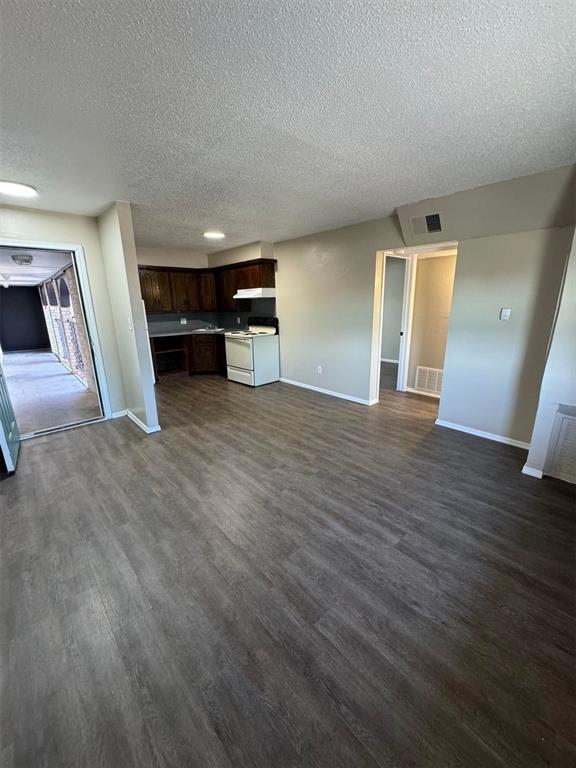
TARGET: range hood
(255,293)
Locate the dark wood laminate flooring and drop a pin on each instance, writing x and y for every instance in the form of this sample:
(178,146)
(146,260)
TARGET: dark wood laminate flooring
(284,579)
(388,375)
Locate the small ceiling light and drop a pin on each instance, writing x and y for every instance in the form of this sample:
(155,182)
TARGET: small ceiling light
(22,259)
(213,234)
(15,189)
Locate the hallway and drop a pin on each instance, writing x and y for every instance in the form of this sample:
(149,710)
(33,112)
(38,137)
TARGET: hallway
(44,394)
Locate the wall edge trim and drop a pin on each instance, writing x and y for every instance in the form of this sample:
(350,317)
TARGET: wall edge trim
(143,427)
(481,433)
(532,472)
(328,392)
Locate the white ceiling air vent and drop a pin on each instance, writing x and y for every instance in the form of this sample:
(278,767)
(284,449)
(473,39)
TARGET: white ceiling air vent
(426,225)
(22,259)
(429,380)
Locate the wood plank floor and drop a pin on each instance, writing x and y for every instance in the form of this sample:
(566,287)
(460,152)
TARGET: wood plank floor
(282,579)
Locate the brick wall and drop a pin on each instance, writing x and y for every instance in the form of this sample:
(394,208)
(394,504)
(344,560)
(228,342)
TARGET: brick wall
(66,328)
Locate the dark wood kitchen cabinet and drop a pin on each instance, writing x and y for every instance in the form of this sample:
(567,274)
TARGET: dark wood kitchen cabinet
(202,290)
(259,275)
(185,291)
(231,279)
(207,292)
(156,290)
(225,289)
(206,353)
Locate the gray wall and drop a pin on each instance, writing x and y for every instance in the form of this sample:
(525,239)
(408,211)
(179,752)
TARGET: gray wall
(119,256)
(559,380)
(539,201)
(493,369)
(392,309)
(325,287)
(259,250)
(170,257)
(325,298)
(432,301)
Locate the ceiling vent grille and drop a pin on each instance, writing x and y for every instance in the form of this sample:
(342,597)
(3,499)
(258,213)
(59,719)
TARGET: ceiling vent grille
(426,225)
(22,259)
(429,380)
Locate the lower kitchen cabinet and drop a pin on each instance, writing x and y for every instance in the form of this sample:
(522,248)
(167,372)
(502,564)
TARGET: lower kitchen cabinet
(206,353)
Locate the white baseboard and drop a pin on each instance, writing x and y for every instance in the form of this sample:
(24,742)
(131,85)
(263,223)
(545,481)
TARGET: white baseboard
(329,392)
(420,392)
(388,360)
(532,472)
(485,435)
(136,420)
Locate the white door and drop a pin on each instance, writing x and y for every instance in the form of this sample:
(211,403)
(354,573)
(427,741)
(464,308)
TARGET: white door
(239,353)
(9,435)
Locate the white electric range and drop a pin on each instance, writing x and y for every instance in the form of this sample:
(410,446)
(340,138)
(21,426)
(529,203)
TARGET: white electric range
(253,356)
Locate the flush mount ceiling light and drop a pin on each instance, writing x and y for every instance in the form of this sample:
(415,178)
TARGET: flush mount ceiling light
(14,189)
(22,259)
(213,234)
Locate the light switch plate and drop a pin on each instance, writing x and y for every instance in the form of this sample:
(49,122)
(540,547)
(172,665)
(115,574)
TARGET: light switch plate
(505,313)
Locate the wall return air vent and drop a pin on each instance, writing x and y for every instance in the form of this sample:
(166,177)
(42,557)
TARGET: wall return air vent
(429,380)
(429,224)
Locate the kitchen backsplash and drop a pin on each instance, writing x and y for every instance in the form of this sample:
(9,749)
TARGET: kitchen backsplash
(171,320)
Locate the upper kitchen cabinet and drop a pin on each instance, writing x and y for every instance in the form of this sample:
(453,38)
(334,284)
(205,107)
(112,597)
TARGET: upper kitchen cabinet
(185,291)
(207,292)
(156,290)
(233,278)
(226,288)
(202,290)
(259,275)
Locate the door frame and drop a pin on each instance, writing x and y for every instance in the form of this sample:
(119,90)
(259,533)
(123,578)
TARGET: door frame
(81,272)
(411,256)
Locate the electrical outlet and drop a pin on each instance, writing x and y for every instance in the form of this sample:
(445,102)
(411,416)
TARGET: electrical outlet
(320,369)
(183,321)
(238,321)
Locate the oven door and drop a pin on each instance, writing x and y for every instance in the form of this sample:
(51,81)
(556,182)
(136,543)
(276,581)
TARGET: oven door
(239,353)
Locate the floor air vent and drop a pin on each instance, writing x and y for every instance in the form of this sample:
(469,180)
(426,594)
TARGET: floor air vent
(429,380)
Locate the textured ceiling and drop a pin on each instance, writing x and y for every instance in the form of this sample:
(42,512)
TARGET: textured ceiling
(275,119)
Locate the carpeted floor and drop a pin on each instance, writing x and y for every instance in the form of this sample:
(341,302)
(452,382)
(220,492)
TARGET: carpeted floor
(45,394)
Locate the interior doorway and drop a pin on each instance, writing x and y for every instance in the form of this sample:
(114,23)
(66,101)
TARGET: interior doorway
(45,347)
(413,296)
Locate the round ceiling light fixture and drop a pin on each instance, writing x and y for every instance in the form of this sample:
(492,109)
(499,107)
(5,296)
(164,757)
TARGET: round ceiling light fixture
(214,234)
(15,189)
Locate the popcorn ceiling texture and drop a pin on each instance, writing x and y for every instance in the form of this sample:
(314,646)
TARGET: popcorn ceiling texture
(273,119)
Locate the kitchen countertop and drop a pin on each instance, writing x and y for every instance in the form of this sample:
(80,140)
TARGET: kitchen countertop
(187,332)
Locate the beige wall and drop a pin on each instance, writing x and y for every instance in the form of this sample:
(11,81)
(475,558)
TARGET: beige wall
(493,369)
(30,225)
(259,250)
(432,301)
(559,380)
(170,257)
(325,296)
(539,201)
(119,256)
(392,308)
